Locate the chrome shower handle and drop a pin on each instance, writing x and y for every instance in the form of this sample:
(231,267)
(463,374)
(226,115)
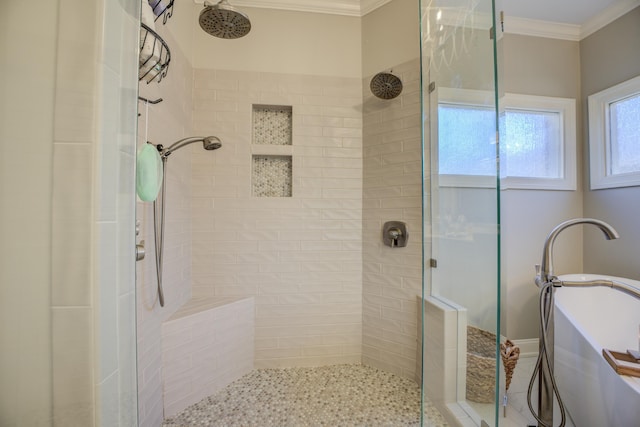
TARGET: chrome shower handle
(140,251)
(394,234)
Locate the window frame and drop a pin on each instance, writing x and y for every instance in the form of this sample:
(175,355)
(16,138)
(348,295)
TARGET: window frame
(565,107)
(599,136)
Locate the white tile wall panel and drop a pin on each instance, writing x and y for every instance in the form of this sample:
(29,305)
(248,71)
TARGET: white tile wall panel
(206,344)
(165,123)
(300,260)
(392,278)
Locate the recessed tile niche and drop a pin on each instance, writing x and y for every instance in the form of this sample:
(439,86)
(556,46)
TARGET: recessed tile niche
(272,164)
(272,176)
(272,124)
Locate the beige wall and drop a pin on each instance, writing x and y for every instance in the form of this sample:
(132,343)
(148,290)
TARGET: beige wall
(527,216)
(390,36)
(284,42)
(541,66)
(26,135)
(573,70)
(608,57)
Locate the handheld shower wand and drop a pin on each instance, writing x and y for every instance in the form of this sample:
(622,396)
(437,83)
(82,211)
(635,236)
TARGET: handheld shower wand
(547,281)
(208,143)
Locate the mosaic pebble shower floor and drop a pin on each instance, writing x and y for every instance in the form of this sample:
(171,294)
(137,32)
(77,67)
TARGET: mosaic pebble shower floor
(338,395)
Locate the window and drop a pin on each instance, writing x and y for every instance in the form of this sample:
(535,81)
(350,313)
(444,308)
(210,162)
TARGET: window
(614,136)
(537,149)
(466,136)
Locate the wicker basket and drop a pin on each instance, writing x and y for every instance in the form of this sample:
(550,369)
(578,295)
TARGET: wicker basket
(481,365)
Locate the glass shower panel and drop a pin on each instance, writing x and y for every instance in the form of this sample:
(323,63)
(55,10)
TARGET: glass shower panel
(461,210)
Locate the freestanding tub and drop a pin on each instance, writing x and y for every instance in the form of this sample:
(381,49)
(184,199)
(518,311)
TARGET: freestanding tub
(586,321)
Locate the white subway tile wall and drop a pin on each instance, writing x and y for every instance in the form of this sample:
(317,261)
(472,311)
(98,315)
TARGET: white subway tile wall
(73,225)
(206,344)
(164,123)
(392,189)
(93,381)
(299,256)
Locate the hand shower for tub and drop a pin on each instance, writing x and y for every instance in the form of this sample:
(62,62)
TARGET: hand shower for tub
(547,281)
(208,143)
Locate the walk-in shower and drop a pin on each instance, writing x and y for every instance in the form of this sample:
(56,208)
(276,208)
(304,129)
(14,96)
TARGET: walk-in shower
(209,143)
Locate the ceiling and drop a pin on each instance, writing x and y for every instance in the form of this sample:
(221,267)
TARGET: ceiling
(571,19)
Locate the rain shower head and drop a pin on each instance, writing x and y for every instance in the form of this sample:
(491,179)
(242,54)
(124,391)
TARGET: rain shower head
(224,21)
(385,85)
(208,143)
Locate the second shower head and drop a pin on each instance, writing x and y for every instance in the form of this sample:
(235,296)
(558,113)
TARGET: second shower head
(386,85)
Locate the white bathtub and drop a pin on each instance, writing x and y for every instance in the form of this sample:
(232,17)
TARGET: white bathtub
(586,321)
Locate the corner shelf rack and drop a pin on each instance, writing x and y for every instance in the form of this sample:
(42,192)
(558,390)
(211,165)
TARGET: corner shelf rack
(154,56)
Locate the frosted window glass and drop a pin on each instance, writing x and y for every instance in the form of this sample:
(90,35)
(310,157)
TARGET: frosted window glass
(533,144)
(466,138)
(624,147)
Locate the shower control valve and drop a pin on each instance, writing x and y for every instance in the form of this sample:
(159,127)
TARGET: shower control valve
(394,234)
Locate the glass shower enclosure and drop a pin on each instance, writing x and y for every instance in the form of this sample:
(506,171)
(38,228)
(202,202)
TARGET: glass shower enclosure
(460,308)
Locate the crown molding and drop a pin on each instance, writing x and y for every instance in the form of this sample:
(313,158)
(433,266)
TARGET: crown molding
(556,30)
(513,24)
(533,27)
(333,7)
(608,16)
(367,6)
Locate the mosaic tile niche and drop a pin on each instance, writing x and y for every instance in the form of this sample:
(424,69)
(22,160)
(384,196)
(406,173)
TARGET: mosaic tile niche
(272,176)
(272,125)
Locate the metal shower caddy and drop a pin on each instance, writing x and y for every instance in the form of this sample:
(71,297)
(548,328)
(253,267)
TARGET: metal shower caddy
(155,66)
(160,65)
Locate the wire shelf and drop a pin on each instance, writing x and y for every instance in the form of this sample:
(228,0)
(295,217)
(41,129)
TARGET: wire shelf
(154,56)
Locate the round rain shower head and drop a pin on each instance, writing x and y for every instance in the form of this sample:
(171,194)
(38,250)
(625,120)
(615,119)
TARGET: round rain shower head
(211,143)
(385,86)
(223,21)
